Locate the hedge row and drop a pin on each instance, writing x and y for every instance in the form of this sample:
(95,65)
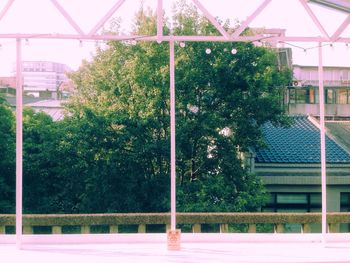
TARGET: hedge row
(182,218)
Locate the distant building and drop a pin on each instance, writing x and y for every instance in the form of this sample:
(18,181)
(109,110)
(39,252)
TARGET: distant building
(52,107)
(8,85)
(44,78)
(302,97)
(8,81)
(289,166)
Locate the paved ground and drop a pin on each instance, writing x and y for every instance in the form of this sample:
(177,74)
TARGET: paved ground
(190,252)
(195,248)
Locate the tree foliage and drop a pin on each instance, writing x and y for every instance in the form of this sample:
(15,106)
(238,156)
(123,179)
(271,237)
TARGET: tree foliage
(7,158)
(40,164)
(128,86)
(112,151)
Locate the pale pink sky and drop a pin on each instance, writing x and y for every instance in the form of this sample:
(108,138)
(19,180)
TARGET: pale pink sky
(39,16)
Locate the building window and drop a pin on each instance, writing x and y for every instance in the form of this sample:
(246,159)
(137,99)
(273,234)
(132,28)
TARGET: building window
(293,202)
(303,95)
(300,96)
(345,207)
(342,96)
(292,96)
(311,96)
(345,202)
(330,96)
(291,198)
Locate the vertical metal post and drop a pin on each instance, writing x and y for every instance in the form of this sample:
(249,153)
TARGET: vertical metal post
(160,20)
(19,142)
(172,137)
(323,143)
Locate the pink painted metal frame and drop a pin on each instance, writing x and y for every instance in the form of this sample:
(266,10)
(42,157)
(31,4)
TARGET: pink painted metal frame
(19,143)
(235,37)
(172,138)
(322,142)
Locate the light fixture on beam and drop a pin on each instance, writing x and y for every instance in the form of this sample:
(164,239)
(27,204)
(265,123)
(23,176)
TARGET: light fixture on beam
(208,51)
(234,51)
(182,44)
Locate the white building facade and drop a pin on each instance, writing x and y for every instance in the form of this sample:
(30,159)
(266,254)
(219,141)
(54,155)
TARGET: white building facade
(43,78)
(302,97)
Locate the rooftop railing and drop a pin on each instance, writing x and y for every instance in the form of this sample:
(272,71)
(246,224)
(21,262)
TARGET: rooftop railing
(160,222)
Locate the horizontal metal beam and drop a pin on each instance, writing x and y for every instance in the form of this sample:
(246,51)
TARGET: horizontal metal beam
(93,35)
(174,38)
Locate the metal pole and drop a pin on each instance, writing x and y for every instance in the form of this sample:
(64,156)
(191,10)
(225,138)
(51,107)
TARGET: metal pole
(323,143)
(160,20)
(19,143)
(172,138)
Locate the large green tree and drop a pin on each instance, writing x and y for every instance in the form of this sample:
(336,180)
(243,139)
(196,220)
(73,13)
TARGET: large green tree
(111,152)
(40,162)
(7,158)
(222,99)
(225,92)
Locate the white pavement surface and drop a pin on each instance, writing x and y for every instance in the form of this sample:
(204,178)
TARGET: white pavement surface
(190,252)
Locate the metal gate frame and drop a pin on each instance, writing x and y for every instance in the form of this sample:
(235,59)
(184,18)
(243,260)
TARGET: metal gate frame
(160,37)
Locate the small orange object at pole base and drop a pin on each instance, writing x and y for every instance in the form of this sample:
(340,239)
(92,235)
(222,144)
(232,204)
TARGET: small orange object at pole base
(174,239)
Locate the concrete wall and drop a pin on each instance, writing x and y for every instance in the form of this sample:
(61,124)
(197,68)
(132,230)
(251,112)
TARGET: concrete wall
(313,109)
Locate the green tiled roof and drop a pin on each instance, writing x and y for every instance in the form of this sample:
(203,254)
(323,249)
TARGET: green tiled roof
(299,143)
